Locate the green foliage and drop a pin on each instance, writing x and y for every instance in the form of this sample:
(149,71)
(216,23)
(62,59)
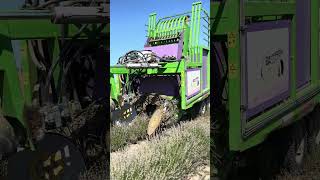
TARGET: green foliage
(124,135)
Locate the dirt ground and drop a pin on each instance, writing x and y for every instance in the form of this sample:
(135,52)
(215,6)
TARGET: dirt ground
(203,173)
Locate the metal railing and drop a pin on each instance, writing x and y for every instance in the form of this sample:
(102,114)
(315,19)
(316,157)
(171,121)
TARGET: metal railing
(171,26)
(199,18)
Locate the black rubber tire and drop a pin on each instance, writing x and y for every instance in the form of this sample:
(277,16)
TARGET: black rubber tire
(313,120)
(298,137)
(311,146)
(317,134)
(203,107)
(270,155)
(208,105)
(316,125)
(267,163)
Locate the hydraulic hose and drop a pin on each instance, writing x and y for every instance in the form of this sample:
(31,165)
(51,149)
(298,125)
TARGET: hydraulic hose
(34,58)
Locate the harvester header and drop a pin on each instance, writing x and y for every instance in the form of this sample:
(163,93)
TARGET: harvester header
(170,73)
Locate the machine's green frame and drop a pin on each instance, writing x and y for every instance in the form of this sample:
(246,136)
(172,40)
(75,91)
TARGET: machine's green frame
(226,19)
(16,92)
(168,27)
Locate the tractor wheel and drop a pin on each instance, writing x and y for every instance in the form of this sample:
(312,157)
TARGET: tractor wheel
(203,107)
(316,123)
(56,157)
(297,148)
(208,104)
(317,136)
(314,131)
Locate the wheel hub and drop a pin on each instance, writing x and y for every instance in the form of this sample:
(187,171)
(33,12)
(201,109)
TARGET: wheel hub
(300,152)
(203,110)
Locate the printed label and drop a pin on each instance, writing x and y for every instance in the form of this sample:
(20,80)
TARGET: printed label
(193,82)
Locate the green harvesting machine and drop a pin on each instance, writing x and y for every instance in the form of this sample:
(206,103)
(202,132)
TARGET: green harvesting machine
(52,104)
(265,59)
(170,76)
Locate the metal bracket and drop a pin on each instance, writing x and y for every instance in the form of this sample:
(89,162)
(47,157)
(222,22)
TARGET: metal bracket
(231,39)
(243,28)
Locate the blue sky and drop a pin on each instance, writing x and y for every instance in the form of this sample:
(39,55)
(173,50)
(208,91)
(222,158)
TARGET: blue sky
(128,19)
(10,4)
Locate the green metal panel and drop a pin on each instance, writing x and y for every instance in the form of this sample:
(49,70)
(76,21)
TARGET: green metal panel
(269,8)
(12,97)
(314,41)
(234,80)
(114,91)
(225,21)
(29,29)
(29,76)
(55,49)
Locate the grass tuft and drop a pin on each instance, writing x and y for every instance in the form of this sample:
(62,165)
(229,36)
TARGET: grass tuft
(173,155)
(98,171)
(124,135)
